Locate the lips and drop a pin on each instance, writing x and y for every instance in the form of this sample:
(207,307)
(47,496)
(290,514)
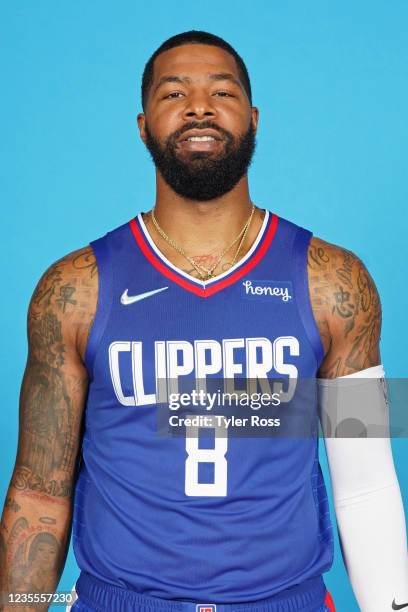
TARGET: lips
(213,134)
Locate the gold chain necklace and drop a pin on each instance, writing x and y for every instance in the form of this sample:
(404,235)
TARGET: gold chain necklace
(198,267)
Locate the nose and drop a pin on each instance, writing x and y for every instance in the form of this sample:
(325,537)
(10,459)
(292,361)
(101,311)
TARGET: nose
(199,106)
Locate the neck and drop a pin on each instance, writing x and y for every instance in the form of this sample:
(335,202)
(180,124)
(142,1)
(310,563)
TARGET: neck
(201,227)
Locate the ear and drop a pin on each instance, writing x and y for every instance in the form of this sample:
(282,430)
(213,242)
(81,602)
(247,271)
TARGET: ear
(254,117)
(141,122)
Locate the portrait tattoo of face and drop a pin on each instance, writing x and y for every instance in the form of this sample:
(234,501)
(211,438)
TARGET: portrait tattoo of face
(202,175)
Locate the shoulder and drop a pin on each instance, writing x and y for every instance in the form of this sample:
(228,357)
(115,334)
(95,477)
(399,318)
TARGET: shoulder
(332,258)
(66,296)
(346,306)
(335,268)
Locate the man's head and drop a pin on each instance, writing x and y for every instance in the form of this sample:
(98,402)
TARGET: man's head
(198,123)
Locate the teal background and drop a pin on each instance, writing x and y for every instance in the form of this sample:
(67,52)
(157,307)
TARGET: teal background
(330,79)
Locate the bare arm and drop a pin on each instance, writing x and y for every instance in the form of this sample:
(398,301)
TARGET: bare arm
(35,525)
(366,493)
(347,309)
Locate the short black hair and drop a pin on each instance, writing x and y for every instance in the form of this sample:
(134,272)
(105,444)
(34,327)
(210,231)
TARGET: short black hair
(197,37)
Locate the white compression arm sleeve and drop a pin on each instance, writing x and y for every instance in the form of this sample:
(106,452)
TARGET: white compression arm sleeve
(367,497)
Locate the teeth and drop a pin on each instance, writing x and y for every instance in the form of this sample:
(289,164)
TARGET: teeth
(200,138)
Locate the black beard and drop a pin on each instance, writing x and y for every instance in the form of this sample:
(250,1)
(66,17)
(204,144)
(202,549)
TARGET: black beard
(203,177)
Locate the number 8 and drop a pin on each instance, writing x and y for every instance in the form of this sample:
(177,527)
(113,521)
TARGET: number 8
(198,455)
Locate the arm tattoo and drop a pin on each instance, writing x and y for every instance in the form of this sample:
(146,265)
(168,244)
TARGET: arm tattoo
(51,389)
(46,411)
(365,340)
(66,293)
(35,527)
(86,260)
(35,554)
(11,503)
(347,309)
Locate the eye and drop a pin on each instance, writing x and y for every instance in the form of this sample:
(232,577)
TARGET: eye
(173,94)
(223,94)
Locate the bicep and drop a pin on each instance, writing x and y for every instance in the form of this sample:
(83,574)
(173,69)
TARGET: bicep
(352,312)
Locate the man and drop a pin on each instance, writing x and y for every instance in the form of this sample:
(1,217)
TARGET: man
(204,285)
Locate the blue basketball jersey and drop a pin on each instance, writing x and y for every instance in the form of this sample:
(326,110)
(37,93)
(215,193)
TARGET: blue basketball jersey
(228,519)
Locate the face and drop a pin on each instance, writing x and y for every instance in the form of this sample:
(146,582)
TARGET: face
(46,554)
(198,124)
(44,550)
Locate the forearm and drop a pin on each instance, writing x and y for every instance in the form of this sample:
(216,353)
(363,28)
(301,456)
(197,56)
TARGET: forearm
(366,493)
(372,534)
(34,536)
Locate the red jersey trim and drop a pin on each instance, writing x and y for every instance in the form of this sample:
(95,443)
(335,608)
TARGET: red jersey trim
(329,602)
(205,292)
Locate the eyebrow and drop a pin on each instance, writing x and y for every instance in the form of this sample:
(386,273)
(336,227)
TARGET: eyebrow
(171,79)
(224,76)
(218,76)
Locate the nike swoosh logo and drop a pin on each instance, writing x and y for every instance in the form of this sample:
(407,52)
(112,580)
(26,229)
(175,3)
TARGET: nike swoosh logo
(396,606)
(126,299)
